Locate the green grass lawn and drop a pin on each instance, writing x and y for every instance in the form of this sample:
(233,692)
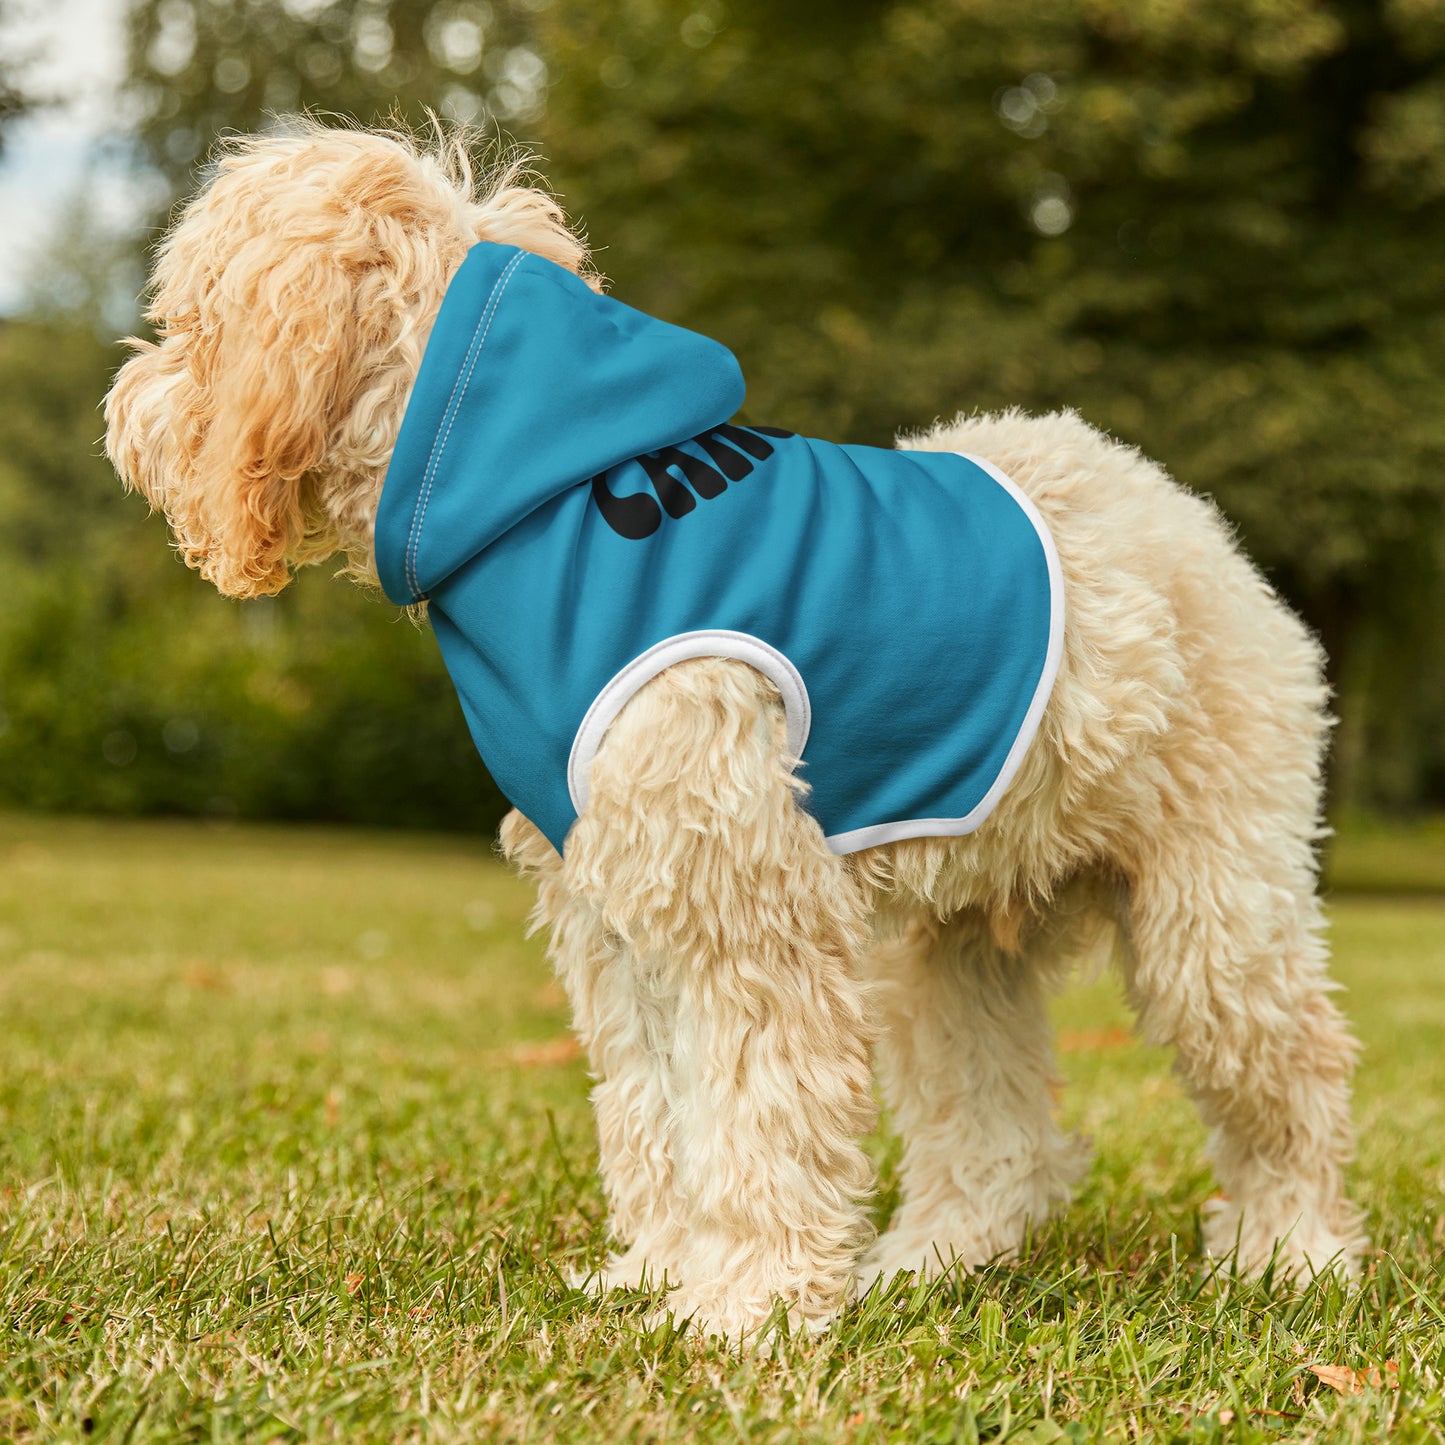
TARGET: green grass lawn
(292,1147)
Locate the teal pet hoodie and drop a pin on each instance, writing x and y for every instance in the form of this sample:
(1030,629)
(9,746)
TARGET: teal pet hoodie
(570,495)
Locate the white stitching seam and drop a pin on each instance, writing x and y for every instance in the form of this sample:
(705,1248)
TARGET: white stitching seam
(683,647)
(474,350)
(411,535)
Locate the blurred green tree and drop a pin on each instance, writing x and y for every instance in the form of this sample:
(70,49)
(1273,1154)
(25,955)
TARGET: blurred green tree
(202,67)
(1214,228)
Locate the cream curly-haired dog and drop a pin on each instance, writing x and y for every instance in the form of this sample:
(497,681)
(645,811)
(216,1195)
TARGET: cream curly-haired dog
(730,972)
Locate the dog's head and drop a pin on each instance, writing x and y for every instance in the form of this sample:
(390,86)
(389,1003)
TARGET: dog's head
(292,301)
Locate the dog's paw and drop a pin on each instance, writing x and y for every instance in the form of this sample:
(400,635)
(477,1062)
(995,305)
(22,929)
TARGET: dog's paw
(896,1255)
(1299,1246)
(634,1270)
(964,1229)
(751,1324)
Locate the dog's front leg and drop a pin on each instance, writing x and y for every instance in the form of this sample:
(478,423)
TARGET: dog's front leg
(743,931)
(622,1011)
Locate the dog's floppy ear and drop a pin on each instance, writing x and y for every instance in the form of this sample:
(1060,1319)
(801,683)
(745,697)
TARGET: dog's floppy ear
(275,364)
(221,423)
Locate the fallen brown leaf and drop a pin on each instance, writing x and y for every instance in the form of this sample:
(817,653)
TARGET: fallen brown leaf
(196,974)
(354,1283)
(335,982)
(1355,1382)
(1084,1041)
(552,1051)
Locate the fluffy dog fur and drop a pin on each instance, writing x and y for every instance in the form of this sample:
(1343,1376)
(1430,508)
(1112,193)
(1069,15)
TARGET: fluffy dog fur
(730,976)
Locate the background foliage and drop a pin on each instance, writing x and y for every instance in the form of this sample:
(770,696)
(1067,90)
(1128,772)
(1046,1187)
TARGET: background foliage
(1215,227)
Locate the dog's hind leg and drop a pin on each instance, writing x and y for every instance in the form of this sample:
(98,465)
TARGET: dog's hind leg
(1227,964)
(966,1062)
(622,1013)
(698,859)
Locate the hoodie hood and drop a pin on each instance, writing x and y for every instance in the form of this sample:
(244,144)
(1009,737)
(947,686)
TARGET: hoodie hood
(531,384)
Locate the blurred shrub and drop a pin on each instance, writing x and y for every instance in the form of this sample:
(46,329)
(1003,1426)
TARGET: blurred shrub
(127,685)
(301,708)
